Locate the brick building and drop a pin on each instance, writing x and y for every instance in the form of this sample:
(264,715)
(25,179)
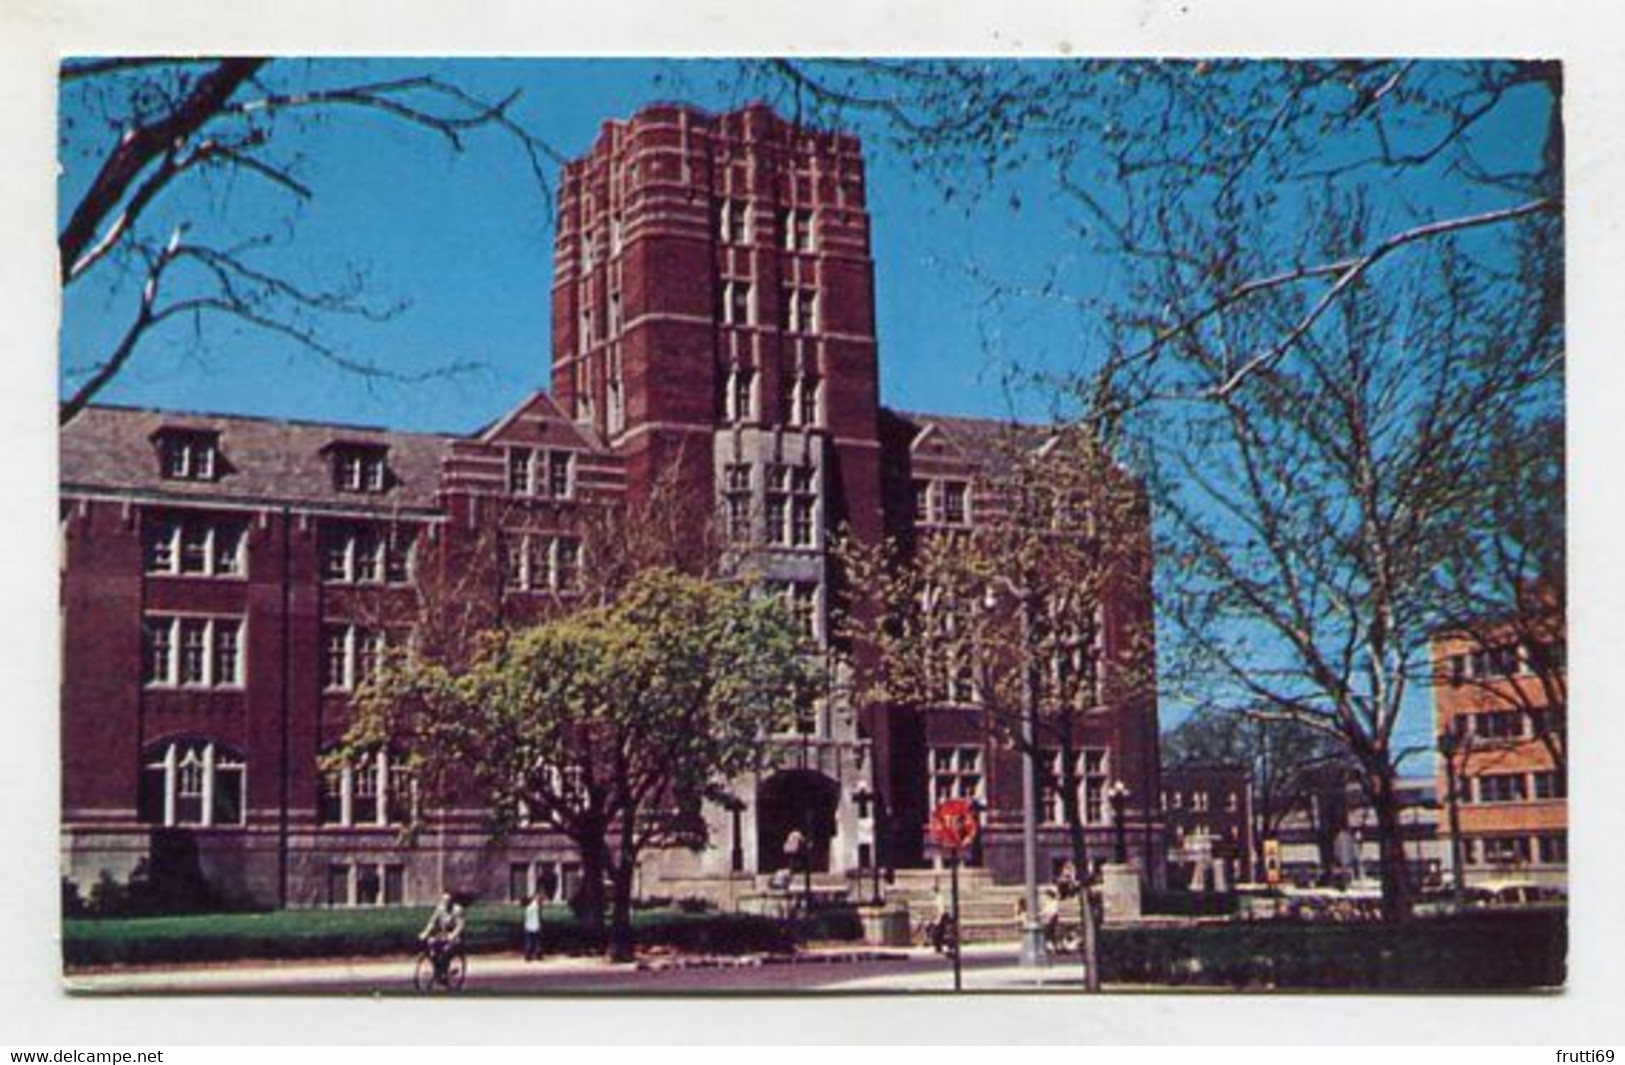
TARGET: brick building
(1209,813)
(228,581)
(1499,706)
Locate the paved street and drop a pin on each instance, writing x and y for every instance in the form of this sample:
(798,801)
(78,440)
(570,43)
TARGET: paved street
(986,968)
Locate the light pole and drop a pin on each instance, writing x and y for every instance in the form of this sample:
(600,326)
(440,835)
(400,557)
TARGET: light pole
(1118,794)
(1032,930)
(864,797)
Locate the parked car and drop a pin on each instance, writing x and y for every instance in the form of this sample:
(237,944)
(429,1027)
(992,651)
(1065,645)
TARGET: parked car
(1515,893)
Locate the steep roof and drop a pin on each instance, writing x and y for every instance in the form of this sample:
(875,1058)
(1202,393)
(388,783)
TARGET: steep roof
(263,459)
(987,442)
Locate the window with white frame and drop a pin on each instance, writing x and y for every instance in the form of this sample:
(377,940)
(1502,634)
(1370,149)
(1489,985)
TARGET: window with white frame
(955,503)
(560,474)
(365,554)
(1502,787)
(798,309)
(194,546)
(739,396)
(351,655)
(194,782)
(541,472)
(360,468)
(366,884)
(796,228)
(552,879)
(939,501)
(736,500)
(737,307)
(802,598)
(537,563)
(192,651)
(804,397)
(733,222)
(957,772)
(1549,784)
(1089,768)
(922,501)
(188,455)
(792,506)
(376,789)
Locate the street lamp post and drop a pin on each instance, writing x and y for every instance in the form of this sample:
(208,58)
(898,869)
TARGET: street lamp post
(1118,794)
(1032,931)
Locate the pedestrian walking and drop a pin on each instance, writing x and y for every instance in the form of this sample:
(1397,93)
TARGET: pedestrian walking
(533,928)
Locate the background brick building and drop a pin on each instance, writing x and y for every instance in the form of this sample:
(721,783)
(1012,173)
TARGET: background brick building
(1504,737)
(227,582)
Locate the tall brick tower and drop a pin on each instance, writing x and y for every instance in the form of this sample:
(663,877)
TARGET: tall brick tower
(712,275)
(713,312)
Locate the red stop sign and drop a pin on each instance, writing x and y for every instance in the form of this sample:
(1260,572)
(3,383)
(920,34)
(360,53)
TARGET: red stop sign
(953,824)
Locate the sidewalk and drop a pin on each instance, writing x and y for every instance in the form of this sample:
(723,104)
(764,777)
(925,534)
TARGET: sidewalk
(315,973)
(265,974)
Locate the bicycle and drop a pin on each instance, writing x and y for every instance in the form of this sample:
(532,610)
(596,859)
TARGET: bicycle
(1063,937)
(942,933)
(440,966)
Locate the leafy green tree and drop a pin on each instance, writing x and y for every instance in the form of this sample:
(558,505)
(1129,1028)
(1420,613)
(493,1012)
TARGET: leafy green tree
(608,725)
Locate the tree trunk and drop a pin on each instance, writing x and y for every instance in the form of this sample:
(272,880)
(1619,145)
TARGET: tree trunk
(1080,861)
(588,902)
(1396,874)
(620,927)
(1458,866)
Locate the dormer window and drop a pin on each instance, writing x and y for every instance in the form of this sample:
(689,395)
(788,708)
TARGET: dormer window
(360,468)
(188,454)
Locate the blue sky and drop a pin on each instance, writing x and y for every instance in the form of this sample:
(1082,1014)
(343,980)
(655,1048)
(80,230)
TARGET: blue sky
(465,241)
(466,238)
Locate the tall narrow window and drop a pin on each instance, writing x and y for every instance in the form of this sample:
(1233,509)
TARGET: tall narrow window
(955,505)
(566,564)
(194,651)
(159,658)
(741,395)
(736,308)
(560,479)
(521,471)
(227,660)
(737,500)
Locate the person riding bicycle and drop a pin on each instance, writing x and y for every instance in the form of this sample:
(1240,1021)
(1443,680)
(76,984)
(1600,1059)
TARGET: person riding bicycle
(941,929)
(444,932)
(1049,912)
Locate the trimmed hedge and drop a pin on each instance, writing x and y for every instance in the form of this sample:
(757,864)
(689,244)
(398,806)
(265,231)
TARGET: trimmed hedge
(1472,952)
(1191,903)
(363,933)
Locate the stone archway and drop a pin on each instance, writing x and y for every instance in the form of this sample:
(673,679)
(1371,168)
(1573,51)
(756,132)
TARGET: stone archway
(795,800)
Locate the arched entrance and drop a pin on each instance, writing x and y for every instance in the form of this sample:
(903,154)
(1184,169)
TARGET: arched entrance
(795,800)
